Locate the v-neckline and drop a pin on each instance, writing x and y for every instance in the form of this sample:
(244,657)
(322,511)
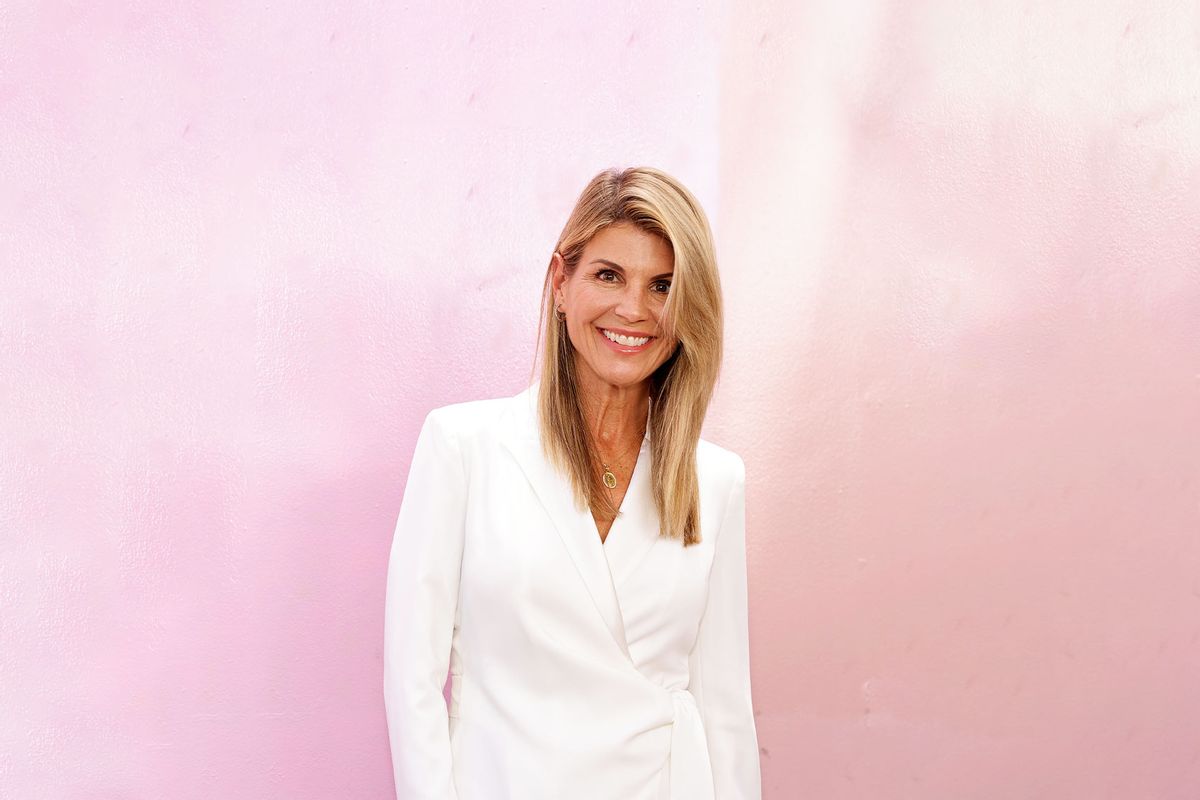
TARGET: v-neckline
(634,475)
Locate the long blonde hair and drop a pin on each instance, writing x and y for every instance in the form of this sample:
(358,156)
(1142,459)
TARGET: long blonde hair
(681,388)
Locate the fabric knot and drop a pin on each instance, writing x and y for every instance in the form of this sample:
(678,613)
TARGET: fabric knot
(690,769)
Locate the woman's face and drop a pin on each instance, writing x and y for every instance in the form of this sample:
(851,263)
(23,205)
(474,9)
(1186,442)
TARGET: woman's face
(619,287)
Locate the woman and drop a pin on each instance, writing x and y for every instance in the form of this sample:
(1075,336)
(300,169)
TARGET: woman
(574,555)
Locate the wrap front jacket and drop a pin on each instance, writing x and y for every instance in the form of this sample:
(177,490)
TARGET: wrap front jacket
(579,669)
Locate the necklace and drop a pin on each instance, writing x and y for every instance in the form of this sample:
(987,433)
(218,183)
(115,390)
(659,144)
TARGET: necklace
(610,480)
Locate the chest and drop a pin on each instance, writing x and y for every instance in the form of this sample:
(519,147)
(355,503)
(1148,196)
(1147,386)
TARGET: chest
(603,522)
(537,570)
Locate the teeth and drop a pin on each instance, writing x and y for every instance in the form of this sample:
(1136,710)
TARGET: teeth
(628,341)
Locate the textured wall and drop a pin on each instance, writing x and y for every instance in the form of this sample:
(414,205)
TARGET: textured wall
(965,241)
(243,250)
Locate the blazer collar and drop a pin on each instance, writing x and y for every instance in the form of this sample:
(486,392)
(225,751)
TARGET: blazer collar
(636,527)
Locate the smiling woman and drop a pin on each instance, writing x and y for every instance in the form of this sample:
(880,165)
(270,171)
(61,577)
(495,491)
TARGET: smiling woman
(635,261)
(574,554)
(622,304)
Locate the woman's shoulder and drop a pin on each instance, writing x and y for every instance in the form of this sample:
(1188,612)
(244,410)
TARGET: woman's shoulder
(720,461)
(469,418)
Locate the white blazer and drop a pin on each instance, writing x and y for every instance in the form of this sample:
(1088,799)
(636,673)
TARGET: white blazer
(580,670)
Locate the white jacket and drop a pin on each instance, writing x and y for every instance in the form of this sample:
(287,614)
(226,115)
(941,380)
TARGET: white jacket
(580,670)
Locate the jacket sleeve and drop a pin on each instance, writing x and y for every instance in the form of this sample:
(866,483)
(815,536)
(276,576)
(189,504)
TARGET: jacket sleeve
(420,606)
(719,663)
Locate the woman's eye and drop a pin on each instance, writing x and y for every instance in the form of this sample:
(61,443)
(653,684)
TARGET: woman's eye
(666,286)
(604,272)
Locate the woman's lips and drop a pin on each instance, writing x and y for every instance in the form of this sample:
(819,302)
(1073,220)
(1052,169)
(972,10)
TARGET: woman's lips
(622,348)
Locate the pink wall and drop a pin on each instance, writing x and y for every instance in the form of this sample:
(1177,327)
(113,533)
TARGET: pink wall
(242,251)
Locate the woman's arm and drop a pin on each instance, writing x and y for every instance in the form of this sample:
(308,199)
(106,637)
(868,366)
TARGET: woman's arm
(422,595)
(720,660)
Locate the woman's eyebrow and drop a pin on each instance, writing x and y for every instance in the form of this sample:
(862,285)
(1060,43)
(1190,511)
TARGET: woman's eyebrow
(617,266)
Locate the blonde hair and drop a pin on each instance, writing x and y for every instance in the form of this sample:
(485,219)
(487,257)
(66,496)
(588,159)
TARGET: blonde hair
(681,388)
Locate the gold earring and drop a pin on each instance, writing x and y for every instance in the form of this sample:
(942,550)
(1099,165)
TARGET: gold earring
(560,314)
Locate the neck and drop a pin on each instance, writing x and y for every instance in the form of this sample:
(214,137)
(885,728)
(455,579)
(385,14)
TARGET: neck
(615,415)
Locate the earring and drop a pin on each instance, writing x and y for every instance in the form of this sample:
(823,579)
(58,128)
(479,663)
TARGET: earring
(559,313)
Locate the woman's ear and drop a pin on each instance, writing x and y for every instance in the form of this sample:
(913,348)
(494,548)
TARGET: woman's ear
(558,270)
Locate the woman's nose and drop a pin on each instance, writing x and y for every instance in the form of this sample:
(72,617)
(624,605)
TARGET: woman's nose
(633,304)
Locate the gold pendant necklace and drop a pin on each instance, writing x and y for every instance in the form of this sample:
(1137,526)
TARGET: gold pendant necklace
(610,480)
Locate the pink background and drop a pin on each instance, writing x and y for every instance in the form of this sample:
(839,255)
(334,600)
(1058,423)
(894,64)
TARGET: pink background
(243,250)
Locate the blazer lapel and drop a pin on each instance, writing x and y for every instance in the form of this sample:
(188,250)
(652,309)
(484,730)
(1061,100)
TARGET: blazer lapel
(636,528)
(575,527)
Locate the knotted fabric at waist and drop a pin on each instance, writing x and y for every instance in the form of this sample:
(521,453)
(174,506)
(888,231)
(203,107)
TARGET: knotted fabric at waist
(691,770)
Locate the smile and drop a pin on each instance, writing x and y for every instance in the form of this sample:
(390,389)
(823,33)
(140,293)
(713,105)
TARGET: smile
(625,344)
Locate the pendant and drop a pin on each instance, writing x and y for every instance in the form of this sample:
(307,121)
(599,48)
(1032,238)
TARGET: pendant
(610,480)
